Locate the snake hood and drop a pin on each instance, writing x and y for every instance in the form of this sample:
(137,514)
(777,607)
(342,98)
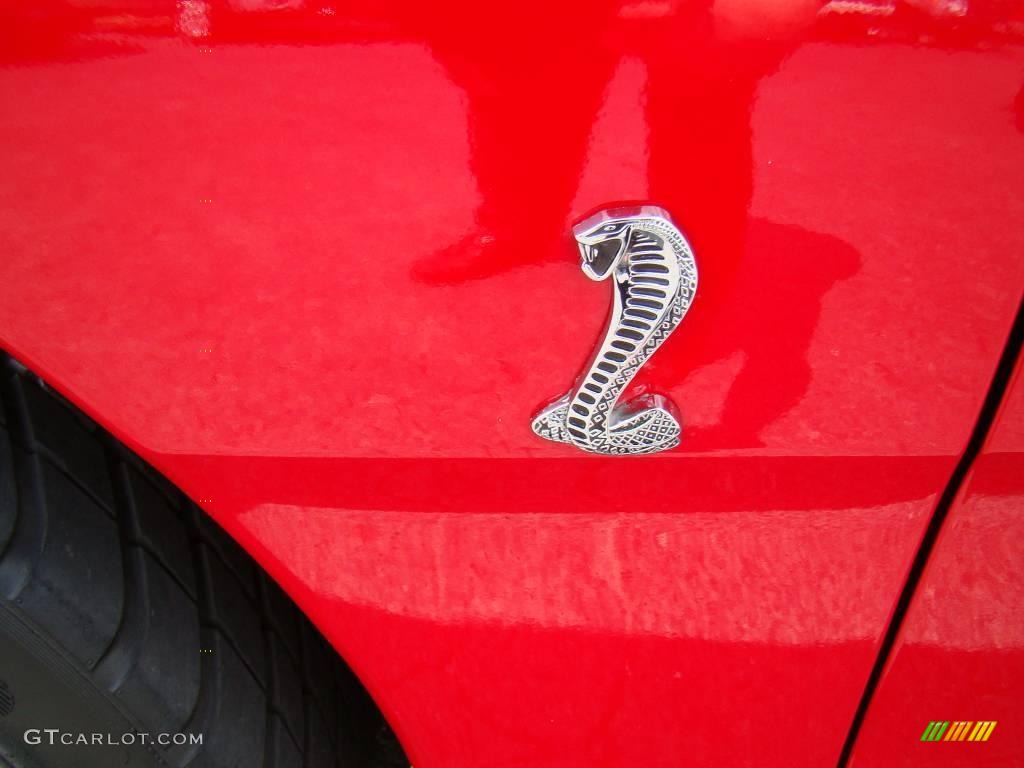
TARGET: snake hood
(604,237)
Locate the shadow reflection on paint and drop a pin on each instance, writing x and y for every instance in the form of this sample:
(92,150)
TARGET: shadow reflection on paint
(786,273)
(530,129)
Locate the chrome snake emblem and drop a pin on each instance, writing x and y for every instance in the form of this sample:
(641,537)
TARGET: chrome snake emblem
(655,278)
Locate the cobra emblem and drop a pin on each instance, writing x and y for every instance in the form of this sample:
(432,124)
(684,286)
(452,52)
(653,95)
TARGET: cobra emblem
(655,278)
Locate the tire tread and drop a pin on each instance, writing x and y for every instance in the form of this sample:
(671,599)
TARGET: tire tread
(159,608)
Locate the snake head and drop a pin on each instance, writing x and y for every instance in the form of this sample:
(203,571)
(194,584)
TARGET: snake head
(602,241)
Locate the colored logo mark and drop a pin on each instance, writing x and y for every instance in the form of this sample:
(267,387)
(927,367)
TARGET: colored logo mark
(958,730)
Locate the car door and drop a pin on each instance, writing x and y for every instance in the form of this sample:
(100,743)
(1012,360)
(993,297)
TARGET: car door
(314,265)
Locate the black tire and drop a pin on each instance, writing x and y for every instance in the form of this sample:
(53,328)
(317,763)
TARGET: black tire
(124,610)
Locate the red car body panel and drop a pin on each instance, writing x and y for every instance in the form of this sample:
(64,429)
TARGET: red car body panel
(960,653)
(313,265)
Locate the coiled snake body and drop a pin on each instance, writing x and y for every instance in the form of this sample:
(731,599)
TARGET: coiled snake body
(655,278)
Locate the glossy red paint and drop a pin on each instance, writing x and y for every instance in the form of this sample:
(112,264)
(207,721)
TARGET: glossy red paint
(313,264)
(960,652)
